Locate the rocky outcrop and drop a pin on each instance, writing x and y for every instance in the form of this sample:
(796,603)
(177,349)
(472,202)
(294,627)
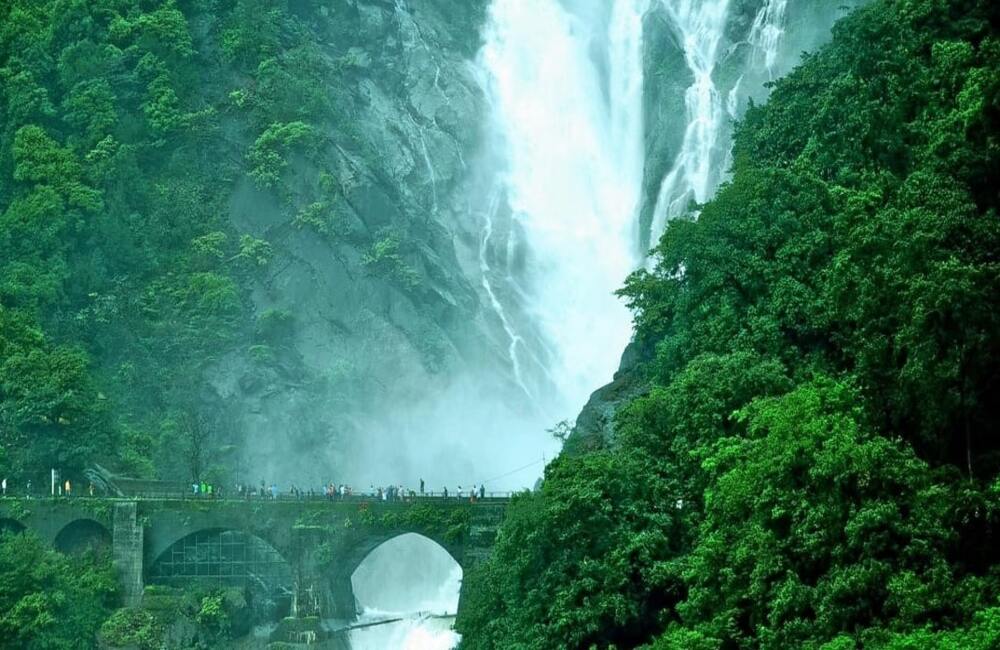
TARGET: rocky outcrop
(595,426)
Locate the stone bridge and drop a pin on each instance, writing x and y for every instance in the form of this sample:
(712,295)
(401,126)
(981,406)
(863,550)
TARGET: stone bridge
(318,542)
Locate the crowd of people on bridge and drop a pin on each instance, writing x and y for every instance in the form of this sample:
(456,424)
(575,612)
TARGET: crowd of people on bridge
(330,491)
(201,488)
(59,489)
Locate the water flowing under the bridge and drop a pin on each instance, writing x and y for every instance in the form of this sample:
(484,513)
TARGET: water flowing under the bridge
(297,558)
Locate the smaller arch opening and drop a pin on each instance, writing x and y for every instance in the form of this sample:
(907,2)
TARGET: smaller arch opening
(81,536)
(10,526)
(229,559)
(413,578)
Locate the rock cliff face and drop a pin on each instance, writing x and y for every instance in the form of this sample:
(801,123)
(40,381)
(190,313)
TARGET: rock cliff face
(365,305)
(372,304)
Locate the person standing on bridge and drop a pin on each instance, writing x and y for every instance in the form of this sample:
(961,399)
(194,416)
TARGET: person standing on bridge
(446,492)
(68,487)
(421,487)
(482,491)
(3,484)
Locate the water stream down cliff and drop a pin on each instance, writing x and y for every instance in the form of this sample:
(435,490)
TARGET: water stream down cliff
(573,203)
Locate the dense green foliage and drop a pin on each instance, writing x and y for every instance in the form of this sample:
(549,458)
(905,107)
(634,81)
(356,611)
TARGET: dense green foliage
(199,616)
(815,462)
(49,601)
(126,126)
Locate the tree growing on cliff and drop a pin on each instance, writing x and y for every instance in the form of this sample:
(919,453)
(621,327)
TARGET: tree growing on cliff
(50,601)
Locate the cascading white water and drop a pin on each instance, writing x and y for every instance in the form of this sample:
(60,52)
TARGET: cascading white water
(704,157)
(430,171)
(572,149)
(392,584)
(484,268)
(696,170)
(766,32)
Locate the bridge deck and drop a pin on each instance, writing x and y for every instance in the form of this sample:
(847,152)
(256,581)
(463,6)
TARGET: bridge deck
(429,497)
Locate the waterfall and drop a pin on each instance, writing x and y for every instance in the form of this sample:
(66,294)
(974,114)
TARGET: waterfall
(625,97)
(704,157)
(557,220)
(696,171)
(766,32)
(430,171)
(564,83)
(733,98)
(484,268)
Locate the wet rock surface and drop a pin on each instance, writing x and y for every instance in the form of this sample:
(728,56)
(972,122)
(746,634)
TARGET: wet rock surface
(363,236)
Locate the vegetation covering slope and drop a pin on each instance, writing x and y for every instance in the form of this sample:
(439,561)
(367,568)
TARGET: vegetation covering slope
(160,160)
(120,279)
(815,464)
(51,601)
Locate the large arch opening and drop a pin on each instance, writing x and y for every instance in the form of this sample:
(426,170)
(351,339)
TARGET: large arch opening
(81,536)
(412,578)
(239,563)
(10,526)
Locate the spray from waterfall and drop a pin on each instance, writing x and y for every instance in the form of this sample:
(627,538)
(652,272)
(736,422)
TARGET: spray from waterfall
(571,141)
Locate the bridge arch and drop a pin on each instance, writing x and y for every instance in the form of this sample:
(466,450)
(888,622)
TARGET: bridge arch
(228,558)
(223,554)
(170,526)
(11,526)
(373,541)
(408,572)
(81,535)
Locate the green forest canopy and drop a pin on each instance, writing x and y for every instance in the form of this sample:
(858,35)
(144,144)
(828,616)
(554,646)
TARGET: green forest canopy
(125,126)
(815,461)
